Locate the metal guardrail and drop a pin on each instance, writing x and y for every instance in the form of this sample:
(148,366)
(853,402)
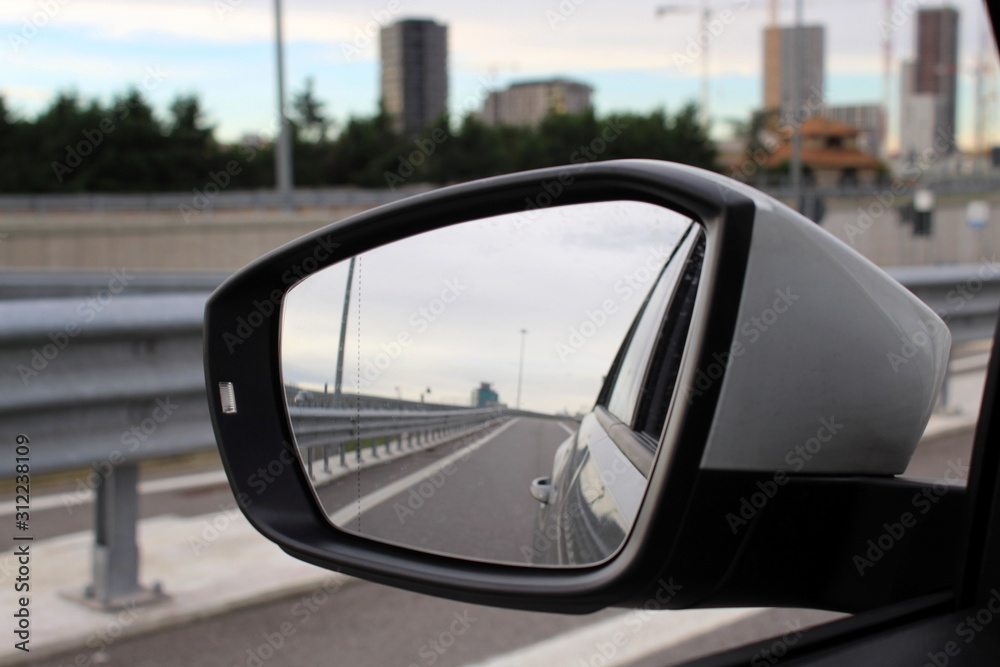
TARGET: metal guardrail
(55,284)
(100,380)
(318,430)
(321,198)
(324,198)
(966,297)
(984,184)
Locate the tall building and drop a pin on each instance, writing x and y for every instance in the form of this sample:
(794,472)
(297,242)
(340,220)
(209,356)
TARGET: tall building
(414,56)
(527,103)
(936,66)
(920,115)
(780,60)
(868,119)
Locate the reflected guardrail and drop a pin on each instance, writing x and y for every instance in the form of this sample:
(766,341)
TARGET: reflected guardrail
(320,431)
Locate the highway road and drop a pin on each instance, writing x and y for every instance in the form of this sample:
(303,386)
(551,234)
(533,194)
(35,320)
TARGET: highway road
(468,497)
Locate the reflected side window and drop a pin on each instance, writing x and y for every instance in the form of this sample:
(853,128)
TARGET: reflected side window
(646,373)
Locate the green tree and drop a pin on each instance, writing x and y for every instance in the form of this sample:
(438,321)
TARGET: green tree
(364,152)
(309,114)
(191,152)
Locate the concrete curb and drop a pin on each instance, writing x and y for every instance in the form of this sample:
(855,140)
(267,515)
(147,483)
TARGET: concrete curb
(208,565)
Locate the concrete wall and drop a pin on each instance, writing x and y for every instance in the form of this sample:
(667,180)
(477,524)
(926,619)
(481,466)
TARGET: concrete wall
(228,241)
(151,241)
(875,231)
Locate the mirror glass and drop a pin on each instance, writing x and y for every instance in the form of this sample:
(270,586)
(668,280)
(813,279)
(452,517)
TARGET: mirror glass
(442,388)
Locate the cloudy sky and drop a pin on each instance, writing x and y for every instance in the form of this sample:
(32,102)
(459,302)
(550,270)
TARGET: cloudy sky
(445,309)
(223,51)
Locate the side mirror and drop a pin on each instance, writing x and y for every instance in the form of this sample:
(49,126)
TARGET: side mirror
(362,385)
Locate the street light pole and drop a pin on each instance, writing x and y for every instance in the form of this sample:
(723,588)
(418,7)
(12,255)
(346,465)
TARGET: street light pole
(797,71)
(520,371)
(283,152)
(705,13)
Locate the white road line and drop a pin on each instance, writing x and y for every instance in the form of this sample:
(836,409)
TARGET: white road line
(79,496)
(621,640)
(351,512)
(567,428)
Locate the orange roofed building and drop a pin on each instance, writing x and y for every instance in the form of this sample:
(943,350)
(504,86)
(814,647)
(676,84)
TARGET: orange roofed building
(830,154)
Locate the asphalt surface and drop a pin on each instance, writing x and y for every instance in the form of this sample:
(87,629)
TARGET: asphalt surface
(467,498)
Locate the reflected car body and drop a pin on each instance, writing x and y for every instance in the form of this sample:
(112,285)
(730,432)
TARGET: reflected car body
(599,476)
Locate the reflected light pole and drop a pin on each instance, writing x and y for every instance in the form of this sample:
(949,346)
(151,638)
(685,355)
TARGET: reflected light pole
(339,381)
(520,370)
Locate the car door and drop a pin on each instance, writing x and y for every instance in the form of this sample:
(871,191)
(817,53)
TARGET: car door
(599,476)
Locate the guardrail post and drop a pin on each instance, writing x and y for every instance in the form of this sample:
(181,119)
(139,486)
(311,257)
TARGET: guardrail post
(115,567)
(309,463)
(326,458)
(343,454)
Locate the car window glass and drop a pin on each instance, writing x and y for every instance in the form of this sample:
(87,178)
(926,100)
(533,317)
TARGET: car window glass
(632,370)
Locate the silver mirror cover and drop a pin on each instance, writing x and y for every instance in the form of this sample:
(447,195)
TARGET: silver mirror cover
(834,367)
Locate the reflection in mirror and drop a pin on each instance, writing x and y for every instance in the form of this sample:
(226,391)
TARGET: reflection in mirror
(441,388)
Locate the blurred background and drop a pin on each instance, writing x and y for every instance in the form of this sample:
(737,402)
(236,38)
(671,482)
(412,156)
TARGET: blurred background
(150,149)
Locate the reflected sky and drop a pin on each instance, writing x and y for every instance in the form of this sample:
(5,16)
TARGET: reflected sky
(444,310)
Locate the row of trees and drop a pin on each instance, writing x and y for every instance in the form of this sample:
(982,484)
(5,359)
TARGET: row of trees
(124,146)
